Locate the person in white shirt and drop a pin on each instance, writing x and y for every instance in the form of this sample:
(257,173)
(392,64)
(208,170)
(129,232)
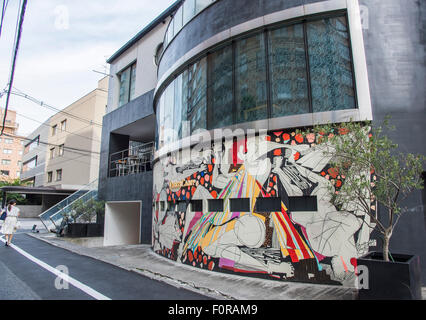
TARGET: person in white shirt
(11,222)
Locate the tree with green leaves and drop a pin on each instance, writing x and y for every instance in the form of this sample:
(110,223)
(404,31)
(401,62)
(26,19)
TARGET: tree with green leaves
(20,199)
(87,210)
(374,171)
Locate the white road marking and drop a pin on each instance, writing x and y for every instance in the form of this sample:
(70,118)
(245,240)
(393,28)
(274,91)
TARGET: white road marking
(91,292)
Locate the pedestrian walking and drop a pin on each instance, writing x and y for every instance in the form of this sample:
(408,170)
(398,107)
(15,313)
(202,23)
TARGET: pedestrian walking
(11,223)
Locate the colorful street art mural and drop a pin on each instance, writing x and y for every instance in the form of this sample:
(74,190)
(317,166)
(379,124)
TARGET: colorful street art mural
(317,245)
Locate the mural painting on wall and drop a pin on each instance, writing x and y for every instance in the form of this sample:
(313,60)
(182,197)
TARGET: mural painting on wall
(318,246)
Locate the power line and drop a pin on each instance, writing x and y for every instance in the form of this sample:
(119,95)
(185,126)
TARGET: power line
(57,163)
(66,160)
(15,55)
(3,13)
(53,145)
(43,104)
(47,125)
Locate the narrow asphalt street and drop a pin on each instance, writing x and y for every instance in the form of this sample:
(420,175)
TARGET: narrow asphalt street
(27,272)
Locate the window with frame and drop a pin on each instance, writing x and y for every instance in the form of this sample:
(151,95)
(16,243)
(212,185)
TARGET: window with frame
(52,153)
(49,176)
(271,204)
(127,79)
(215,205)
(54,129)
(7,151)
(297,67)
(8,140)
(5,172)
(59,175)
(240,205)
(61,150)
(30,164)
(196,205)
(64,125)
(5,162)
(303,203)
(32,145)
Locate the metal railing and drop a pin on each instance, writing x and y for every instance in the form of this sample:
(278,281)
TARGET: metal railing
(130,161)
(57,218)
(46,215)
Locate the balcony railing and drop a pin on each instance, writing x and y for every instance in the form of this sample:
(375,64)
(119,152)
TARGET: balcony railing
(131,161)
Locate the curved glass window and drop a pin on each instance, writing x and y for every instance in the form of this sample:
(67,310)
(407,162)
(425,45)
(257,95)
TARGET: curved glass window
(179,115)
(169,93)
(250,74)
(220,88)
(287,65)
(184,14)
(195,79)
(294,69)
(330,65)
(160,122)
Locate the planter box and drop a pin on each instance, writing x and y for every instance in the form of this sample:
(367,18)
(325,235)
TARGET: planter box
(82,230)
(399,280)
(95,230)
(77,230)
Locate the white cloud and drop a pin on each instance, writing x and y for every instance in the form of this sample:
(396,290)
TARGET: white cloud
(55,64)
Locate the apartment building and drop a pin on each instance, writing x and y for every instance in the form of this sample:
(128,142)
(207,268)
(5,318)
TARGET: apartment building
(73,141)
(34,156)
(11,148)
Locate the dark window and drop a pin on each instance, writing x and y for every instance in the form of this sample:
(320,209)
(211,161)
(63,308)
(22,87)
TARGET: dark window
(268,204)
(288,74)
(59,175)
(240,205)
(127,80)
(196,205)
(182,206)
(292,69)
(216,205)
(171,206)
(304,203)
(220,88)
(250,55)
(330,65)
(194,94)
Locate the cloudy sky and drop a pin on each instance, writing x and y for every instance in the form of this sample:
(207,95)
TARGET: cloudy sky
(62,42)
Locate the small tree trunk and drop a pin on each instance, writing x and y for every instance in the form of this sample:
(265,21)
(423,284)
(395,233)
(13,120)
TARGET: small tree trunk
(386,247)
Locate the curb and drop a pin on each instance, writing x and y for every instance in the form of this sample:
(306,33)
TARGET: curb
(214,294)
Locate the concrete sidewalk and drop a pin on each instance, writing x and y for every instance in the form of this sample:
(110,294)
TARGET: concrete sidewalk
(141,259)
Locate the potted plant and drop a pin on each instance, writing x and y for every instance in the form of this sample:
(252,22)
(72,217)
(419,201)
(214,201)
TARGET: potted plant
(376,176)
(97,209)
(77,229)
